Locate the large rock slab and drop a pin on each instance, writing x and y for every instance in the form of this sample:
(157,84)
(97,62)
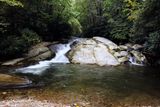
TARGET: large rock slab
(92,52)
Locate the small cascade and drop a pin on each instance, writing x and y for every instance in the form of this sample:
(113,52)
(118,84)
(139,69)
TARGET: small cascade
(60,57)
(133,61)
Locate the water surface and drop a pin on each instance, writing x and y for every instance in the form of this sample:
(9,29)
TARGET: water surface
(93,86)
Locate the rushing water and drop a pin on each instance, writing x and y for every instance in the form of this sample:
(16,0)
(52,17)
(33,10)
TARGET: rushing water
(93,85)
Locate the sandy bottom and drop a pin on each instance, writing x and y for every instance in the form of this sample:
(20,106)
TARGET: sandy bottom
(29,103)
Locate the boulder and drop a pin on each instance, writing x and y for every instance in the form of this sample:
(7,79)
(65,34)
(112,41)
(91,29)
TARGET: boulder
(91,52)
(9,80)
(123,59)
(117,54)
(123,47)
(39,52)
(123,53)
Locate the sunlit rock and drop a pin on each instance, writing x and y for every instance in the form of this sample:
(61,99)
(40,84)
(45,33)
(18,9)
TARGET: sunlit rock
(92,52)
(123,53)
(83,54)
(107,42)
(123,59)
(104,57)
(123,47)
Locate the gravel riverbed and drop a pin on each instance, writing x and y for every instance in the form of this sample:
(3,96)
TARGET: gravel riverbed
(29,103)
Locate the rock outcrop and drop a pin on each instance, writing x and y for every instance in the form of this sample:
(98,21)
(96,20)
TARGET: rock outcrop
(94,51)
(101,51)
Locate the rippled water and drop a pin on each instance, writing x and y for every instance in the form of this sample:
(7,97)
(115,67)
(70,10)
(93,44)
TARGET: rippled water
(95,86)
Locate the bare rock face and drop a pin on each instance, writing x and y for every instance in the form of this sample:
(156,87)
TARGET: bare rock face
(94,51)
(9,80)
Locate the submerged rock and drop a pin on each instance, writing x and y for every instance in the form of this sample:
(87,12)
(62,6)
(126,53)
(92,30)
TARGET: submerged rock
(13,81)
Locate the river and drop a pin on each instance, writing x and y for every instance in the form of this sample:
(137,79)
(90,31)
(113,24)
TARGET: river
(94,86)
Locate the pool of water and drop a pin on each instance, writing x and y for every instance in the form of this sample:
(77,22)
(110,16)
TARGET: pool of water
(93,86)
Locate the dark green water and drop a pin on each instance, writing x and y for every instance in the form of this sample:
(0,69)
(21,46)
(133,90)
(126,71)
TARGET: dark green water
(96,86)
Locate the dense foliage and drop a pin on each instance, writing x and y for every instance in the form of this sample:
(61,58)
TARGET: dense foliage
(24,23)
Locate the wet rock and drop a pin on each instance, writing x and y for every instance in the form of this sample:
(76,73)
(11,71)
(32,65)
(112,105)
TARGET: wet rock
(139,57)
(9,80)
(12,62)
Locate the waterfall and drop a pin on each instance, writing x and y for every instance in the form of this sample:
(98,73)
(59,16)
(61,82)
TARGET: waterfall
(61,50)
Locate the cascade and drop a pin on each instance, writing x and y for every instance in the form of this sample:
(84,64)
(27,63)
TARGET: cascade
(60,57)
(133,61)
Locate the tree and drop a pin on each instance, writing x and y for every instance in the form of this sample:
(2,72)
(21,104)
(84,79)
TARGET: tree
(121,17)
(147,28)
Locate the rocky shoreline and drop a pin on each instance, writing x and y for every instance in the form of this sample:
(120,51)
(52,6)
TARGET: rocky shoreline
(29,103)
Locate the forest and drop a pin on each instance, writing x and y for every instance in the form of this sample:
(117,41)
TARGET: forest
(24,23)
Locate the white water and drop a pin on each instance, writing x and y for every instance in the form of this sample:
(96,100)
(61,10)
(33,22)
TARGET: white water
(60,57)
(134,62)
